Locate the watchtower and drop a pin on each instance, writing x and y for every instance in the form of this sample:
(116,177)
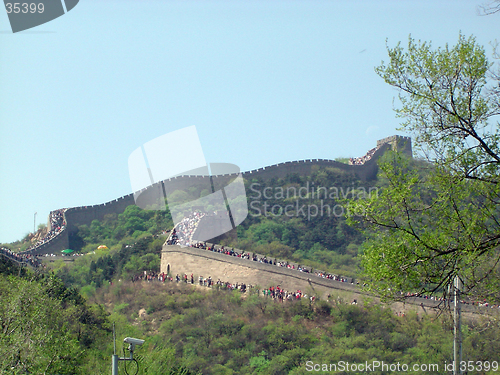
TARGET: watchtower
(398,143)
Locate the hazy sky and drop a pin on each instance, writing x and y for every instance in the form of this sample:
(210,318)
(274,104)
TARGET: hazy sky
(264,82)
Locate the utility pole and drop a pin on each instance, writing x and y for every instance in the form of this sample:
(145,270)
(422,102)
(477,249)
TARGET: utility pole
(114,358)
(34,223)
(457,329)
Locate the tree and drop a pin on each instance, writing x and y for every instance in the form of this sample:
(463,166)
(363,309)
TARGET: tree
(438,218)
(493,6)
(34,334)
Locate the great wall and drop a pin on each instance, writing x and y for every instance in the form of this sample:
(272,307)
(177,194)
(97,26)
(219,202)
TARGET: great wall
(179,259)
(187,260)
(84,215)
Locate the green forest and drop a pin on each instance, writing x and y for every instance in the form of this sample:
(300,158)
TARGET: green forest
(52,329)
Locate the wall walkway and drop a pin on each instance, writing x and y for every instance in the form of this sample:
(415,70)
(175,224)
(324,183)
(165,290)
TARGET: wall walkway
(189,260)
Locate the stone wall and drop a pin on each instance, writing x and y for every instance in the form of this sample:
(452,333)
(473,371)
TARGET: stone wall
(189,260)
(365,172)
(85,215)
(78,216)
(54,246)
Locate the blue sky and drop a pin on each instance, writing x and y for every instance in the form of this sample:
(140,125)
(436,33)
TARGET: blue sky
(264,82)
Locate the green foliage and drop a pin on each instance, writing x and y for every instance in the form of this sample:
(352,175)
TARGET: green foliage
(321,240)
(34,335)
(113,229)
(121,261)
(438,220)
(133,242)
(188,331)
(211,333)
(46,327)
(9,267)
(260,362)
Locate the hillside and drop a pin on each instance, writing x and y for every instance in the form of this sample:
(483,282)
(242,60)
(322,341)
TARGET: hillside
(221,329)
(199,330)
(322,241)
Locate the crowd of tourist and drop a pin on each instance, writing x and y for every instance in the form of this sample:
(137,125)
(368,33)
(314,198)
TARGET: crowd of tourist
(275,292)
(183,232)
(28,259)
(482,303)
(150,276)
(280,294)
(363,159)
(330,276)
(203,281)
(57,225)
(65,255)
(265,260)
(210,283)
